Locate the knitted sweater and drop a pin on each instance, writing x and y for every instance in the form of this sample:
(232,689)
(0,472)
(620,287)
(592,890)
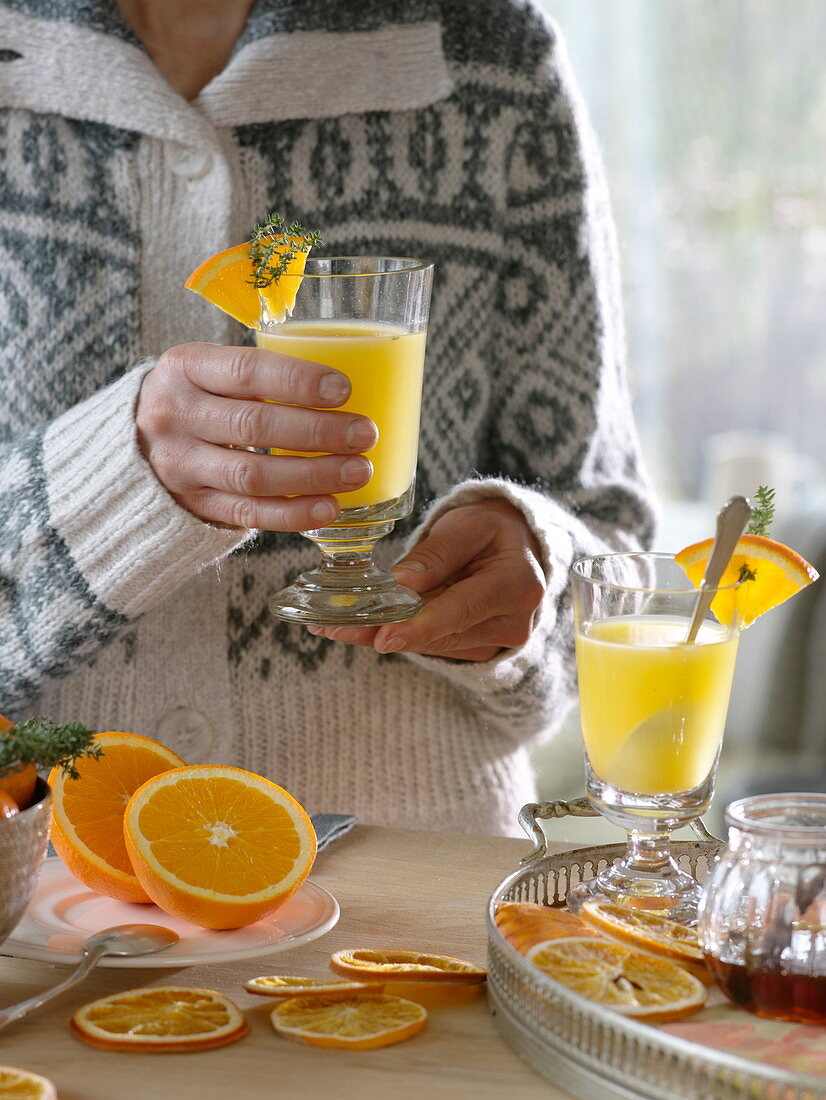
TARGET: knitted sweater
(444,129)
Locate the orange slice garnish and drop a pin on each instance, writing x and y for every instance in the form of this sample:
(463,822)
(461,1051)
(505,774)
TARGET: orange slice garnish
(615,976)
(218,846)
(773,574)
(350,1023)
(649,932)
(226,280)
(22,1084)
(163,1018)
(404,966)
(87,812)
(291,985)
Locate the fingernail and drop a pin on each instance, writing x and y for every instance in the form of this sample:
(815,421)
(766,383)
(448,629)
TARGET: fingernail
(411,566)
(324,511)
(313,629)
(355,471)
(362,434)
(345,634)
(390,645)
(333,387)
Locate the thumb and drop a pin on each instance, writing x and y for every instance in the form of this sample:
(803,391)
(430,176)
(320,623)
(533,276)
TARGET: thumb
(435,560)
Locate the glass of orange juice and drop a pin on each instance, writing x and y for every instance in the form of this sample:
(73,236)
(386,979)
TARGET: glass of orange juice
(653,710)
(367,317)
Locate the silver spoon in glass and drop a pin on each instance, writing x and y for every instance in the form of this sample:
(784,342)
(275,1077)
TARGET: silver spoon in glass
(731,521)
(123,939)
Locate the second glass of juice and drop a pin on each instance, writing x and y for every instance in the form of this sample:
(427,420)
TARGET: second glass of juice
(653,710)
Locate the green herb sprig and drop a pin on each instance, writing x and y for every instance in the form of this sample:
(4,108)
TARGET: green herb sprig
(761,520)
(270,258)
(762,515)
(47,744)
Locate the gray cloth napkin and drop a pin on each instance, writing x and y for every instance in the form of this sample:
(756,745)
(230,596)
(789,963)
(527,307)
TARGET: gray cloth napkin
(329,827)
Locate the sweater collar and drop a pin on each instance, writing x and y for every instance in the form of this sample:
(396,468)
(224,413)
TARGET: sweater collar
(82,61)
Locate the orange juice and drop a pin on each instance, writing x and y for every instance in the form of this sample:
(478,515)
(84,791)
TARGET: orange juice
(653,708)
(385,366)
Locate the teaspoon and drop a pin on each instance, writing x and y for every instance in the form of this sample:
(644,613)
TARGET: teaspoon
(123,939)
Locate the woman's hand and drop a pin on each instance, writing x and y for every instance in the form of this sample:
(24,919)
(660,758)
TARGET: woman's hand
(201,400)
(478,572)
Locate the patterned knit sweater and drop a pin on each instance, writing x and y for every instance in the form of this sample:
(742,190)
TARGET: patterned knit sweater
(445,129)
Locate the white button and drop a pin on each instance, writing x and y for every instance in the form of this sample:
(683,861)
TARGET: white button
(187,731)
(190,164)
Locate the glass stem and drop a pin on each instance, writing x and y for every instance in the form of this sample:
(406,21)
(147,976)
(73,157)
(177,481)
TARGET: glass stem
(648,853)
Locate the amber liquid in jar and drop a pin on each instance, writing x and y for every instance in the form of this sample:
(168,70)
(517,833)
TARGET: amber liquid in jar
(772,991)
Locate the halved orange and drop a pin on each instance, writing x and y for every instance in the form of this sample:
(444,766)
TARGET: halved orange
(362,1022)
(226,280)
(22,1084)
(526,923)
(404,966)
(773,573)
(161,1018)
(649,932)
(615,976)
(218,846)
(87,813)
(292,985)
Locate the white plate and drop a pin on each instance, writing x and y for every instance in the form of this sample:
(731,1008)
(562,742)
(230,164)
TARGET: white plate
(63,913)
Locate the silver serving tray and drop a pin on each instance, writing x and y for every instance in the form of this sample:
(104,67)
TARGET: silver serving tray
(588,1050)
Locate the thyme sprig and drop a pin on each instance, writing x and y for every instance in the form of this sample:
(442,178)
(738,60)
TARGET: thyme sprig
(761,519)
(763,512)
(273,247)
(46,744)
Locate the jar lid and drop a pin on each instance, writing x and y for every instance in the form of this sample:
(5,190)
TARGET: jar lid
(795,816)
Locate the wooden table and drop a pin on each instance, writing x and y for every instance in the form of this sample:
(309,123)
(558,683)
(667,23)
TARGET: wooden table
(397,889)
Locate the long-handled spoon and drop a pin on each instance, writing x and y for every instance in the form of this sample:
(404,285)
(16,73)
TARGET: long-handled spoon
(731,520)
(123,939)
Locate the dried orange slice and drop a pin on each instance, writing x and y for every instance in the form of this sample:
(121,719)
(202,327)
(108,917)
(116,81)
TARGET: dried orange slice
(218,846)
(22,1084)
(291,985)
(226,280)
(87,813)
(630,982)
(773,573)
(161,1018)
(351,1023)
(649,932)
(526,923)
(404,966)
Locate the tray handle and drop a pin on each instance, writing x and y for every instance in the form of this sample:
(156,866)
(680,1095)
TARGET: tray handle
(533,812)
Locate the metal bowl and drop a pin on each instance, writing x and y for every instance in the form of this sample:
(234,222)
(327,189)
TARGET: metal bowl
(23,841)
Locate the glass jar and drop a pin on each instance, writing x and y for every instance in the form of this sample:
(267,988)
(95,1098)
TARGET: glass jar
(762,919)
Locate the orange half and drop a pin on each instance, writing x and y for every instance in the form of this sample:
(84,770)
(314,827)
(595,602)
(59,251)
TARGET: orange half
(87,813)
(774,573)
(218,846)
(227,281)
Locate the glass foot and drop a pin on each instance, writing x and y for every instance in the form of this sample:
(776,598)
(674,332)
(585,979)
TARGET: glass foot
(357,595)
(668,891)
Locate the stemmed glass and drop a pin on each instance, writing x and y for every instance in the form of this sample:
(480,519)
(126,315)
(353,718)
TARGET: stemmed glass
(367,317)
(653,710)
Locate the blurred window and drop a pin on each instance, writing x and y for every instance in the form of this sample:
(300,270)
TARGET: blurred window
(711,115)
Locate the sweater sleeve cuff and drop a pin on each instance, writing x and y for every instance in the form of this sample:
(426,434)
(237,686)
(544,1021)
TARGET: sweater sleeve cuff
(551,525)
(133,543)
